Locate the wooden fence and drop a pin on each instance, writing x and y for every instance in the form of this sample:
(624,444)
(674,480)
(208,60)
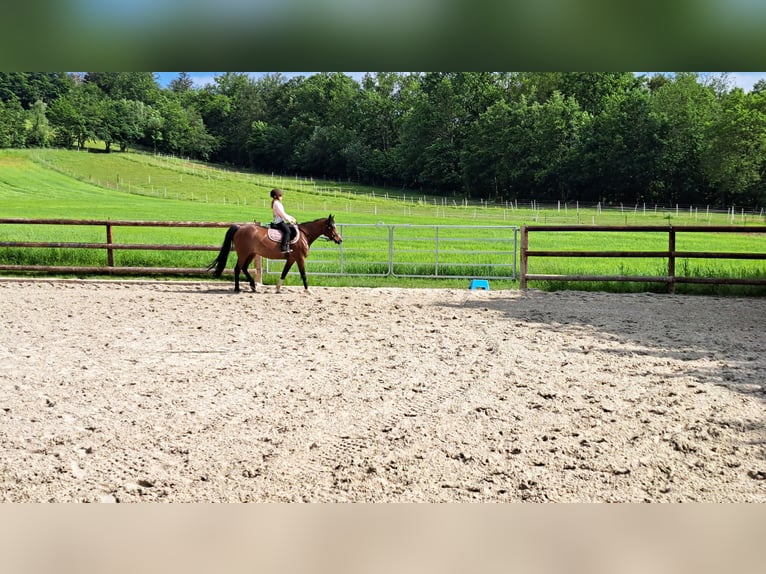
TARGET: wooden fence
(110,247)
(671,254)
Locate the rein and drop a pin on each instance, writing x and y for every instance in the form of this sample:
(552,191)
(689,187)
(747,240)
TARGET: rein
(310,233)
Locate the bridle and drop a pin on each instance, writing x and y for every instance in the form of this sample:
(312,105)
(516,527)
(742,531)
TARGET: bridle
(332,232)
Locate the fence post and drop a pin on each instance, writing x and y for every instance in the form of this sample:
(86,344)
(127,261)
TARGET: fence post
(515,251)
(109,251)
(258,269)
(390,250)
(524,245)
(672,259)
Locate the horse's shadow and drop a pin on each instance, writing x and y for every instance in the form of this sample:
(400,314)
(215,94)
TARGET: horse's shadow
(211,291)
(214,290)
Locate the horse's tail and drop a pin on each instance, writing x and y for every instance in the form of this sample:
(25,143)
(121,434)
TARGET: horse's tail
(220,262)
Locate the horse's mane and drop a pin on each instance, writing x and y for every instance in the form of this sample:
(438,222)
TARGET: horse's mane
(317,220)
(312,221)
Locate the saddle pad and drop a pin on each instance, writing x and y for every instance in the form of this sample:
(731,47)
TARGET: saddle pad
(276,234)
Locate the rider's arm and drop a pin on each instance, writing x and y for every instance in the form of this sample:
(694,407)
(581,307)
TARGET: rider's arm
(279,210)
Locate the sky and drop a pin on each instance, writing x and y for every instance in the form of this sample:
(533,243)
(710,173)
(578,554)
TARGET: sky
(744,80)
(203,78)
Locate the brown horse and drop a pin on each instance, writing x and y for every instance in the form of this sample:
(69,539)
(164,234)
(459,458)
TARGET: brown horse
(251,239)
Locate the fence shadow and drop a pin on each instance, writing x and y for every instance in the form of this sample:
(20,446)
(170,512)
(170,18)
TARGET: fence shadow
(726,334)
(699,341)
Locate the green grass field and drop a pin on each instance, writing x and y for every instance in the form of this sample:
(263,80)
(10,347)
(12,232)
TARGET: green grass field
(140,186)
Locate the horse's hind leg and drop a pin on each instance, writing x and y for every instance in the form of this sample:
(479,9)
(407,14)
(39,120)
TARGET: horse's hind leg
(236,277)
(247,273)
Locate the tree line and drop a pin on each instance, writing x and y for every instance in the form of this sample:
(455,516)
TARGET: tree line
(610,137)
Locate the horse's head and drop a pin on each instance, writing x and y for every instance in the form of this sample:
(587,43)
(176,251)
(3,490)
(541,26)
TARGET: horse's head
(331,231)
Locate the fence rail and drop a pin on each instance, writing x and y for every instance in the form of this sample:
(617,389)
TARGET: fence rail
(371,250)
(671,254)
(109,246)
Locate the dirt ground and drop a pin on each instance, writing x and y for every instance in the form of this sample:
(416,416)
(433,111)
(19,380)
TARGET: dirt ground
(171,392)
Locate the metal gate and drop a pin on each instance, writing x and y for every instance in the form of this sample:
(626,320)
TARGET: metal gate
(416,251)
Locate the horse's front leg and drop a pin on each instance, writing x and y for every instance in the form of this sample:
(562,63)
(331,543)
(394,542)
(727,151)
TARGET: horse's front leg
(286,269)
(302,269)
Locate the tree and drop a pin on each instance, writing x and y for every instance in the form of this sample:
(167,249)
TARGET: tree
(131,122)
(183,83)
(486,160)
(75,115)
(268,147)
(524,148)
(12,129)
(28,87)
(153,129)
(656,82)
(39,132)
(432,134)
(183,131)
(623,151)
(213,107)
(385,100)
(107,125)
(685,107)
(592,89)
(138,86)
(122,121)
(237,97)
(323,155)
(378,110)
(554,132)
(735,156)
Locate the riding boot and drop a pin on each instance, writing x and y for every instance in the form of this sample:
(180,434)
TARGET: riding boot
(286,247)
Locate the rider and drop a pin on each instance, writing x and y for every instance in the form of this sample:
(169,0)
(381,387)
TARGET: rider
(281,219)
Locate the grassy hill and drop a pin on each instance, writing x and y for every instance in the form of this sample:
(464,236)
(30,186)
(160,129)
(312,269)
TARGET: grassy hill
(38,183)
(136,185)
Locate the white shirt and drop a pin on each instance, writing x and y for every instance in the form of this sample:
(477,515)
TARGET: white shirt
(280,214)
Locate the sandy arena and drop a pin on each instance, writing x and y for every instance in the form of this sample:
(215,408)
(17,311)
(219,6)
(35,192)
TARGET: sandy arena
(178,392)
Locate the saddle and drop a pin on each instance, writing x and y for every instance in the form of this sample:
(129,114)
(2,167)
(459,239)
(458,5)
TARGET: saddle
(276,235)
